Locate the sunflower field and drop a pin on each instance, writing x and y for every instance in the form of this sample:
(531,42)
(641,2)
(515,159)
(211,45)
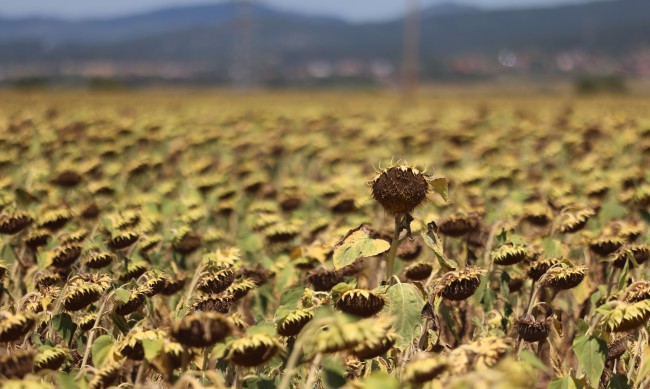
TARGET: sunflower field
(323,240)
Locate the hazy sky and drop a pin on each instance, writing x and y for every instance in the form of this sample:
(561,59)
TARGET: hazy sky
(350,9)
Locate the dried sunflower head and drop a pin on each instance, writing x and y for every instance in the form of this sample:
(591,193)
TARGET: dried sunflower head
(131,347)
(293,323)
(617,345)
(563,276)
(410,249)
(461,284)
(174,285)
(150,242)
(106,376)
(253,350)
(425,369)
(281,232)
(240,289)
(37,238)
(573,221)
(640,253)
(54,219)
(532,329)
(75,237)
(360,302)
(14,222)
(606,245)
(98,260)
(186,241)
(540,266)
(65,255)
(400,188)
(216,282)
(122,239)
(509,254)
(538,214)
(87,322)
(211,303)
(324,280)
(50,359)
(375,347)
(155,284)
(419,271)
(17,363)
(637,291)
(79,297)
(135,301)
(15,327)
(459,224)
(348,335)
(202,329)
(133,271)
(627,316)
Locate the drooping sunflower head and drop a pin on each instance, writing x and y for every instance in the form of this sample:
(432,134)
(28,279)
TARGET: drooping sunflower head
(202,329)
(293,323)
(253,350)
(461,284)
(563,276)
(425,369)
(509,254)
(360,302)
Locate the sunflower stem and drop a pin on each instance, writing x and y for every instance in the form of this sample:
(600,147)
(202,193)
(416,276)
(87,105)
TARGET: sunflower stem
(312,376)
(91,335)
(390,259)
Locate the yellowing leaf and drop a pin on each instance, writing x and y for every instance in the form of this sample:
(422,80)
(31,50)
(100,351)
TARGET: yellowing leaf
(440,186)
(358,245)
(101,349)
(152,347)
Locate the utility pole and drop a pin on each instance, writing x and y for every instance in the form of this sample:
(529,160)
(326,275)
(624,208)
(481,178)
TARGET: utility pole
(411,48)
(242,72)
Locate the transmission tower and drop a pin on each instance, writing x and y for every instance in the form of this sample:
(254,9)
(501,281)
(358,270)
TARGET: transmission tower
(242,72)
(411,44)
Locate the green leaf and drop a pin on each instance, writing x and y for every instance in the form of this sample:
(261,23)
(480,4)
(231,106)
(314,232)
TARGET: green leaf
(358,245)
(440,186)
(122,295)
(101,348)
(566,382)
(552,248)
(611,210)
(64,326)
(530,358)
(265,328)
(405,304)
(592,353)
(380,380)
(152,347)
(333,376)
(618,381)
(432,240)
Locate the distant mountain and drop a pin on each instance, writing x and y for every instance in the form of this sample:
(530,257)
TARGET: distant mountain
(442,9)
(51,31)
(204,34)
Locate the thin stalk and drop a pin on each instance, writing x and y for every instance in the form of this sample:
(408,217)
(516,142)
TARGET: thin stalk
(91,335)
(531,303)
(290,368)
(139,380)
(610,282)
(390,258)
(312,376)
